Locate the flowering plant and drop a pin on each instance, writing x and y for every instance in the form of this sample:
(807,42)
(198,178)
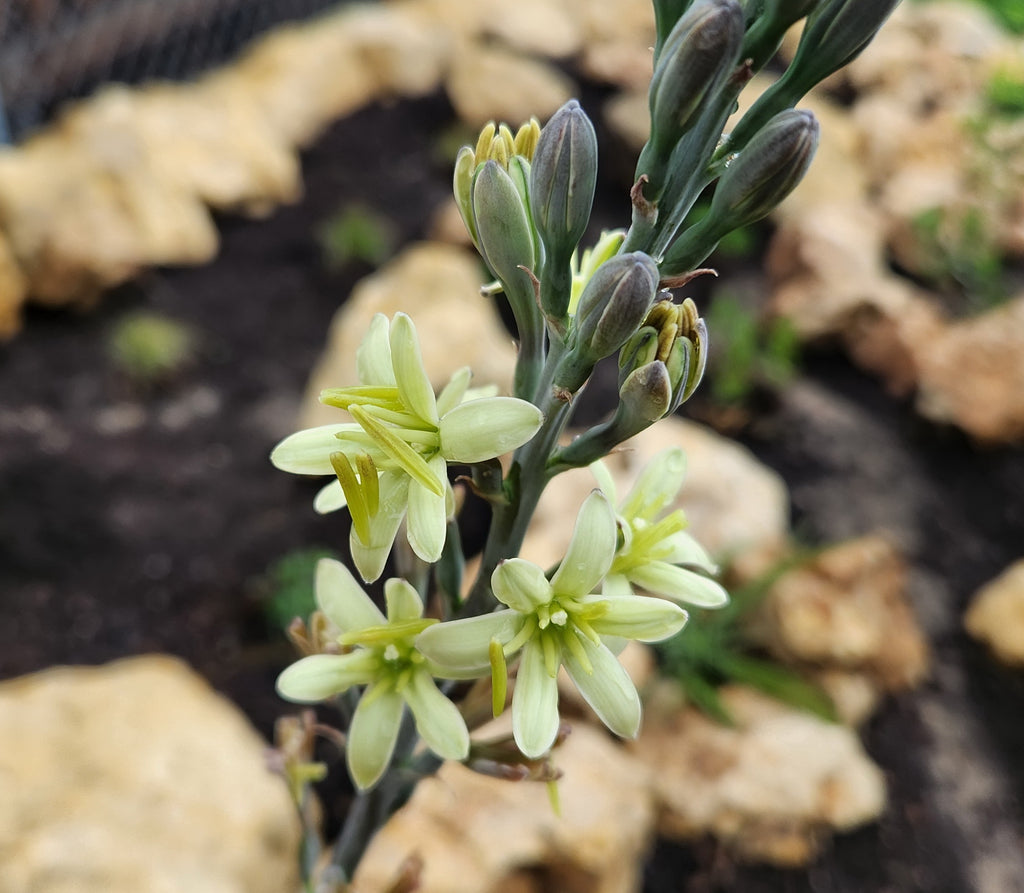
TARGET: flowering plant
(630,566)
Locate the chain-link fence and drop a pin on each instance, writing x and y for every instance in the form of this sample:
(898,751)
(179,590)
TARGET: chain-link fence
(55,50)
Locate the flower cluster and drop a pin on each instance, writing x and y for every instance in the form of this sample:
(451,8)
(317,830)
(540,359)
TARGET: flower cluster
(391,463)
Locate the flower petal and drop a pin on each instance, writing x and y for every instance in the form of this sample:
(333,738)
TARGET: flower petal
(322,676)
(605,481)
(370,558)
(657,486)
(428,514)
(438,720)
(608,689)
(402,600)
(486,428)
(461,645)
(521,585)
(534,703)
(414,387)
(373,356)
(678,584)
(590,550)
(639,617)
(372,735)
(309,451)
(684,549)
(342,599)
(616,586)
(455,391)
(330,498)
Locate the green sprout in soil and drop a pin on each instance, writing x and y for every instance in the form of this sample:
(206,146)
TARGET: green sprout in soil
(958,253)
(716,650)
(357,234)
(149,347)
(749,353)
(286,588)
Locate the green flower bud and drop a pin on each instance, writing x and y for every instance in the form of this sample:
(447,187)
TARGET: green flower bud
(505,238)
(754,182)
(666,14)
(462,187)
(615,302)
(645,397)
(769,27)
(563,178)
(674,337)
(835,34)
(768,170)
(699,53)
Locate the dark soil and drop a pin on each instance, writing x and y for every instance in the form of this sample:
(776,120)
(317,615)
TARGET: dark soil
(141,519)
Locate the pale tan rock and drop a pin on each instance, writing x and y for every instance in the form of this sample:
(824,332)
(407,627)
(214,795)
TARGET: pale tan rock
(738,509)
(618,40)
(772,788)
(136,776)
(847,609)
(475,832)
(13,290)
(491,82)
(542,27)
(628,114)
(972,374)
(996,615)
(211,141)
(82,216)
(307,75)
(855,696)
(439,287)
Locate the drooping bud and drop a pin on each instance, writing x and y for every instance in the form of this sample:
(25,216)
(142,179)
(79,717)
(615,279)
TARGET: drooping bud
(701,50)
(835,33)
(615,301)
(753,184)
(666,14)
(563,178)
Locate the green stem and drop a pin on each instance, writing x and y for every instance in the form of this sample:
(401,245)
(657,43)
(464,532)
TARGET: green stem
(524,485)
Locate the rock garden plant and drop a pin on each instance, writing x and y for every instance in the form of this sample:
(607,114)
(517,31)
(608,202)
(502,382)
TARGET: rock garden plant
(407,681)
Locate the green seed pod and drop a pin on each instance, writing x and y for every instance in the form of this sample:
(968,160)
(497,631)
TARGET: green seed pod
(615,302)
(563,178)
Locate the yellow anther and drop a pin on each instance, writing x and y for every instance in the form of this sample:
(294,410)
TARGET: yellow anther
(499,677)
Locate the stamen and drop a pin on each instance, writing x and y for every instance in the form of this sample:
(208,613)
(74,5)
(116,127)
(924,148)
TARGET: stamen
(575,646)
(526,632)
(370,484)
(551,654)
(499,677)
(411,462)
(354,495)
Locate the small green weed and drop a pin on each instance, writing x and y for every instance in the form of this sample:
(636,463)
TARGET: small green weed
(149,347)
(748,353)
(356,233)
(286,588)
(713,651)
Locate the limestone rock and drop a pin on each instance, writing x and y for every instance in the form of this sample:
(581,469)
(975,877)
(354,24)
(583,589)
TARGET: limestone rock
(847,609)
(136,776)
(484,833)
(772,788)
(13,290)
(491,82)
(996,615)
(972,374)
(439,287)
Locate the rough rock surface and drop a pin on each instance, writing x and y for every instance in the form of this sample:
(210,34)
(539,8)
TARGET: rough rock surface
(439,287)
(847,610)
(771,787)
(996,615)
(136,776)
(594,846)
